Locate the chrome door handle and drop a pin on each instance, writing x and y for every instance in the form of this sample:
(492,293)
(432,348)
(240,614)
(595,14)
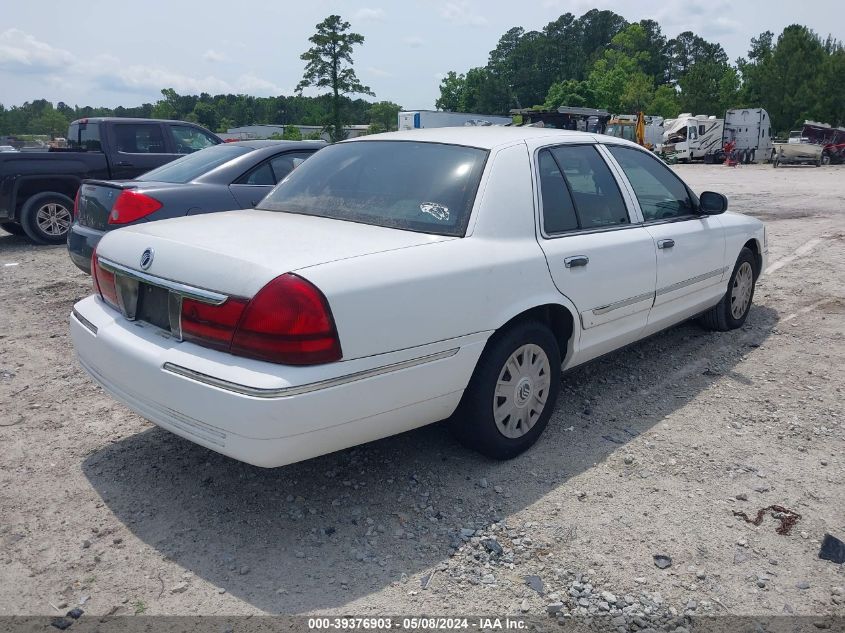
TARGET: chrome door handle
(665,243)
(576,260)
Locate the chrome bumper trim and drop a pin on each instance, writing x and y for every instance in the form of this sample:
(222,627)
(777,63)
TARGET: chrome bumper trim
(192,292)
(287,392)
(83,321)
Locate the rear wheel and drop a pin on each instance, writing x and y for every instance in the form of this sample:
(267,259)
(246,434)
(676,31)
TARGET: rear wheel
(512,393)
(46,218)
(12,227)
(730,313)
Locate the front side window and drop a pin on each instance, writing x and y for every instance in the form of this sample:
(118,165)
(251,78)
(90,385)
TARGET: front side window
(415,186)
(591,190)
(189,139)
(139,138)
(661,194)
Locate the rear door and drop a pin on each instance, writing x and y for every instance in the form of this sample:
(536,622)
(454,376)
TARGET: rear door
(599,255)
(250,188)
(137,148)
(690,248)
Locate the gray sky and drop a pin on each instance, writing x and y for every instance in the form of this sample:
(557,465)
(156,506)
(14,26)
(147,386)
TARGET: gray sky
(122,53)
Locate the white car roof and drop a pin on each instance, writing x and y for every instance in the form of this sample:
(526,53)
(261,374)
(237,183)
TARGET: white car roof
(484,137)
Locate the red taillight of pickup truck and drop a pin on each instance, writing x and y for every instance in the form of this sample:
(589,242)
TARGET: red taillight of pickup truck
(288,322)
(131,206)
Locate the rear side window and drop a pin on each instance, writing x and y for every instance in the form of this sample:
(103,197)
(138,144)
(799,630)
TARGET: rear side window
(139,138)
(84,136)
(286,163)
(592,190)
(661,194)
(192,166)
(187,139)
(416,186)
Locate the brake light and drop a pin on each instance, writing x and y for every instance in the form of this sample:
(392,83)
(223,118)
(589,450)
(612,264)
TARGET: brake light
(288,322)
(76,204)
(131,206)
(209,325)
(103,282)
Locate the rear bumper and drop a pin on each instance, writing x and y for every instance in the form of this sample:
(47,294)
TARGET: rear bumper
(264,414)
(81,242)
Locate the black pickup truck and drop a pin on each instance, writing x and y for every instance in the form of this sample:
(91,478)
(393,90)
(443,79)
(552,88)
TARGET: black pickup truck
(37,189)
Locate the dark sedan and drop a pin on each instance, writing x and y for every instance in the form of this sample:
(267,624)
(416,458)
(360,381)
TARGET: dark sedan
(220,178)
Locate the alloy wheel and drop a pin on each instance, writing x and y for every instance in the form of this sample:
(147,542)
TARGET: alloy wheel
(53,219)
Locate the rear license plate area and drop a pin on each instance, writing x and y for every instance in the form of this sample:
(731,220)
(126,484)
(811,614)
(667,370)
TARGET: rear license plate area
(153,305)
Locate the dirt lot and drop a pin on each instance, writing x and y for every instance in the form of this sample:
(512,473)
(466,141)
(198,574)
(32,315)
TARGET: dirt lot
(649,452)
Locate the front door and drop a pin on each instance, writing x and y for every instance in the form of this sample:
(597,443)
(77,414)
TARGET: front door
(598,254)
(691,272)
(138,148)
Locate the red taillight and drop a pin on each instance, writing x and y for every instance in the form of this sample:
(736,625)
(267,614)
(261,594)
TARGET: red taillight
(209,325)
(132,205)
(103,281)
(288,322)
(76,204)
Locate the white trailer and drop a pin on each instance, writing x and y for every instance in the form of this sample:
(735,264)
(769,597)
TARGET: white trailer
(692,137)
(416,119)
(751,130)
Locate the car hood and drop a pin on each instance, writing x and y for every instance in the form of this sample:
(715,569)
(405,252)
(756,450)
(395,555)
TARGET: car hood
(238,252)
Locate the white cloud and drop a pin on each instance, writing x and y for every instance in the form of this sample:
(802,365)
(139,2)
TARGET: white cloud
(22,52)
(462,14)
(213,56)
(379,72)
(414,41)
(253,85)
(365,14)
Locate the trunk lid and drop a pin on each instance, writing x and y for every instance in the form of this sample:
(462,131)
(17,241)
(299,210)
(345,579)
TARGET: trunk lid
(96,199)
(237,252)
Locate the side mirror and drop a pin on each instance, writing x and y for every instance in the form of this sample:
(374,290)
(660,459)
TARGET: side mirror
(712,203)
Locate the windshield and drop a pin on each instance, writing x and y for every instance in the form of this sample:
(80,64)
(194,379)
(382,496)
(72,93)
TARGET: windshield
(192,166)
(425,187)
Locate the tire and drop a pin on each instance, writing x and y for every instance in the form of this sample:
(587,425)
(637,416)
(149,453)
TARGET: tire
(775,162)
(825,159)
(732,310)
(46,218)
(506,364)
(12,227)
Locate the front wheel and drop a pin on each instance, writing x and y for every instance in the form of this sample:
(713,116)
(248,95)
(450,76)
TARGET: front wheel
(46,218)
(512,392)
(732,311)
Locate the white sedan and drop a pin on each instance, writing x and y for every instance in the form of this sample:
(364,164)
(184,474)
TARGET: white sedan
(400,279)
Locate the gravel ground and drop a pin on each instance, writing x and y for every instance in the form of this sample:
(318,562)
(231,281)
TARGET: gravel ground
(648,453)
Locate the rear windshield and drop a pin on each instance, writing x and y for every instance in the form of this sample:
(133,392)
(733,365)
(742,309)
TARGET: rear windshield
(424,187)
(192,166)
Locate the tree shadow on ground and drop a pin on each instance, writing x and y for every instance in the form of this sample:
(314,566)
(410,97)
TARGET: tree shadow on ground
(318,534)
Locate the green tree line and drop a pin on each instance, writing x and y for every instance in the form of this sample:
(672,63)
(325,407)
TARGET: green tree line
(601,60)
(215,112)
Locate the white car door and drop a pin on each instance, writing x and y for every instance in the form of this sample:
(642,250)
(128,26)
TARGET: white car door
(691,267)
(599,255)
